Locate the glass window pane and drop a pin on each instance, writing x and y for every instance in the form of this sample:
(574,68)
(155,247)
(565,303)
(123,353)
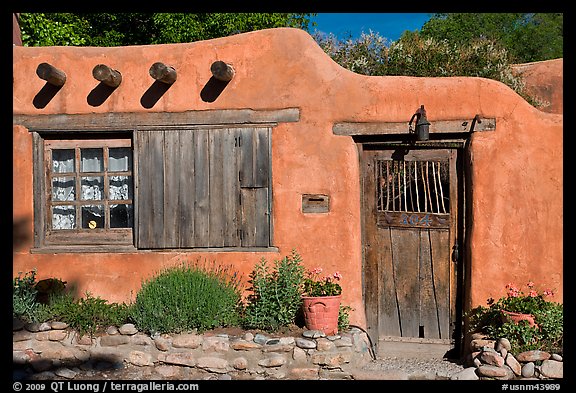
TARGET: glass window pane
(62,160)
(92,188)
(92,216)
(63,189)
(91,160)
(120,187)
(121,216)
(120,159)
(63,217)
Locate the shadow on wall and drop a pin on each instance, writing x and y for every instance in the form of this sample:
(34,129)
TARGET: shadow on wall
(21,232)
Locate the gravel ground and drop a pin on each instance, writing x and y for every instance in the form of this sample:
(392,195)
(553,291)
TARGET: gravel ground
(409,368)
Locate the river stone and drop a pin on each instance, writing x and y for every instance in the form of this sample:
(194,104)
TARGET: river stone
(468,374)
(305,343)
(128,329)
(552,369)
(528,370)
(532,356)
(487,370)
(514,364)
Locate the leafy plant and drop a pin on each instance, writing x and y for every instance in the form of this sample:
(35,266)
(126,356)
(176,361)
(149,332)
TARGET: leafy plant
(548,316)
(276,297)
(24,302)
(344,317)
(315,285)
(188,297)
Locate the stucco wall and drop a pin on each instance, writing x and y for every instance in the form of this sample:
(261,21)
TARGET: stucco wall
(516,172)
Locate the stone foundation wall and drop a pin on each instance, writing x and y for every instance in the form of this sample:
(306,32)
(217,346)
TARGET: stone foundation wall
(312,355)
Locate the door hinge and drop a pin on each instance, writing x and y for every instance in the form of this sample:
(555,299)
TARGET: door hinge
(455,253)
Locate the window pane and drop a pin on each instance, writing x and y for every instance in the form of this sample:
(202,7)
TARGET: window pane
(92,188)
(63,217)
(62,160)
(120,159)
(121,216)
(91,160)
(63,189)
(120,187)
(92,216)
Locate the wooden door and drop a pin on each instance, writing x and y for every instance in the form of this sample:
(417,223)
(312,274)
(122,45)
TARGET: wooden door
(410,221)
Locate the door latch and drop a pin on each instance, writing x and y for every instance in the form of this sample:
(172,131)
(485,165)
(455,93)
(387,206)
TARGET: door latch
(455,253)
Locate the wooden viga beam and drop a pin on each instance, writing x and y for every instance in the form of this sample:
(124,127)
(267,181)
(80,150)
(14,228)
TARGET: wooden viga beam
(51,74)
(163,73)
(222,71)
(107,75)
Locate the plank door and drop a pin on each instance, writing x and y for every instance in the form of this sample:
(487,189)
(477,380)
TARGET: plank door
(410,209)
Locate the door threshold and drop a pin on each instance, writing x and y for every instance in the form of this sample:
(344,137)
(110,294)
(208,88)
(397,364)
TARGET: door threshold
(413,347)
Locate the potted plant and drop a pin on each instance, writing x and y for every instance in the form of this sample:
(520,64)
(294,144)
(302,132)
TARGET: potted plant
(321,301)
(528,320)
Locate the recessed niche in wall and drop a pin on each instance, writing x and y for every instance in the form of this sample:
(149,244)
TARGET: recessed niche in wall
(315,203)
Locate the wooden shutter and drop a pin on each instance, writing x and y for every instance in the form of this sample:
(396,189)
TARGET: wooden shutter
(203,188)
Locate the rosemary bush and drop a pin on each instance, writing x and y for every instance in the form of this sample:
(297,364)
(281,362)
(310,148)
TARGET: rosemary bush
(188,297)
(24,302)
(276,294)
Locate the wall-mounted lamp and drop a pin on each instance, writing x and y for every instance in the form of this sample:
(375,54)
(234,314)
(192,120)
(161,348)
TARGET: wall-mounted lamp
(422,125)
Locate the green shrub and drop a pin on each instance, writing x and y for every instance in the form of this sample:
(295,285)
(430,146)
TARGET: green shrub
(25,305)
(188,297)
(344,318)
(86,315)
(276,295)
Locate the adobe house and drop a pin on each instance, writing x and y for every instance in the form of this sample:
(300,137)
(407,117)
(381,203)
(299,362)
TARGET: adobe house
(428,195)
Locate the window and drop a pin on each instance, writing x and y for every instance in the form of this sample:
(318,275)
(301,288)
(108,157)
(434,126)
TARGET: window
(155,188)
(89,191)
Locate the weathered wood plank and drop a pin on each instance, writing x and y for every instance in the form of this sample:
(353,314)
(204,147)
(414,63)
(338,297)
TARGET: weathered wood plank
(247,158)
(231,188)
(255,217)
(150,120)
(202,188)
(187,189)
(405,248)
(389,309)
(440,258)
(216,190)
(171,186)
(428,325)
(395,128)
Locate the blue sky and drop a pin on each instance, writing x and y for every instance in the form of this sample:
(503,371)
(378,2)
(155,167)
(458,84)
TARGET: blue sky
(390,26)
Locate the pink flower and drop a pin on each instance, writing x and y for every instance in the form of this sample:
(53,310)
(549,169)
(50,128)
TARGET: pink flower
(337,275)
(533,293)
(548,292)
(530,284)
(317,270)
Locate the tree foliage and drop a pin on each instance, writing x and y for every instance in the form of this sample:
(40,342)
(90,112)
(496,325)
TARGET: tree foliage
(121,29)
(526,36)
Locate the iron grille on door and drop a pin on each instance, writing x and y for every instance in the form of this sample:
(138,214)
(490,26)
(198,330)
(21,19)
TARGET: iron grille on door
(413,186)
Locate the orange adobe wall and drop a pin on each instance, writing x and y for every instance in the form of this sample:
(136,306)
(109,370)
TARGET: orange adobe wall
(515,223)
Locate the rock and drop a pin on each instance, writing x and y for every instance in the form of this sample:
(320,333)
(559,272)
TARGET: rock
(313,333)
(139,358)
(304,373)
(532,356)
(17,324)
(44,327)
(58,325)
(305,343)
(514,364)
(65,373)
(213,364)
(218,344)
(242,345)
(487,370)
(113,341)
(240,363)
(161,343)
(323,344)
(128,329)
(187,340)
(112,330)
(57,335)
(479,344)
(299,355)
(468,374)
(168,371)
(503,343)
(260,338)
(556,357)
(528,370)
(492,358)
(552,369)
(273,361)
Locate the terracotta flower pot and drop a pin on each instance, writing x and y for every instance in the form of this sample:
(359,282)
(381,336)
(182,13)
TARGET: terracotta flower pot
(321,313)
(516,317)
